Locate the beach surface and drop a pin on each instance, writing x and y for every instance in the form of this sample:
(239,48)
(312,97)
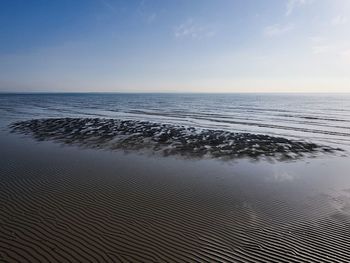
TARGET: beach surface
(67,204)
(63,201)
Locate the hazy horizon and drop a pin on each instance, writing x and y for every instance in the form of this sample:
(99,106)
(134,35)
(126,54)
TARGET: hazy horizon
(289,46)
(172,92)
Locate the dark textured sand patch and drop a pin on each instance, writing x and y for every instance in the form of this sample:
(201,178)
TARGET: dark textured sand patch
(167,139)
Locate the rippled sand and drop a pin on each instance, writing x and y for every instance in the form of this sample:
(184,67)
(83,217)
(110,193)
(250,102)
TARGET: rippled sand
(66,204)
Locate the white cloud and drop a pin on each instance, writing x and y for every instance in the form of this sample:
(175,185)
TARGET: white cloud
(277,29)
(320,49)
(293,4)
(345,55)
(151,17)
(108,5)
(317,39)
(190,29)
(339,20)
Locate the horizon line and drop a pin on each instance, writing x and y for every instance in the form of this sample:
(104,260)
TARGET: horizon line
(173,92)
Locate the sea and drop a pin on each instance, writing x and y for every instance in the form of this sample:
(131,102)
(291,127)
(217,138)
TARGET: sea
(318,118)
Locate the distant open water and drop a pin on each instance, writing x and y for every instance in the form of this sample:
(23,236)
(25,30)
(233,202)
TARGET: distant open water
(312,117)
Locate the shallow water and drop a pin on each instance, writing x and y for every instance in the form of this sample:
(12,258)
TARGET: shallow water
(317,117)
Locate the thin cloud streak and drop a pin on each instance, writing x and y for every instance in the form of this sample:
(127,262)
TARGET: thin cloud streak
(293,4)
(339,20)
(190,29)
(277,29)
(320,49)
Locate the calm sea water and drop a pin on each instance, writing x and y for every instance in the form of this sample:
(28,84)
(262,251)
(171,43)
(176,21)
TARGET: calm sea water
(314,117)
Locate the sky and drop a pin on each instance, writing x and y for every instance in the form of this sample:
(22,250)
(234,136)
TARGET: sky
(175,46)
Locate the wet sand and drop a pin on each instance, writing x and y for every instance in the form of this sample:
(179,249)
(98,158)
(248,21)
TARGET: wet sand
(67,204)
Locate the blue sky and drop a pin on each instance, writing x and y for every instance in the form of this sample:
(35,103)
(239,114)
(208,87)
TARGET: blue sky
(175,46)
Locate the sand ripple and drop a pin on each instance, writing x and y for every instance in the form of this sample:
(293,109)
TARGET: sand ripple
(69,211)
